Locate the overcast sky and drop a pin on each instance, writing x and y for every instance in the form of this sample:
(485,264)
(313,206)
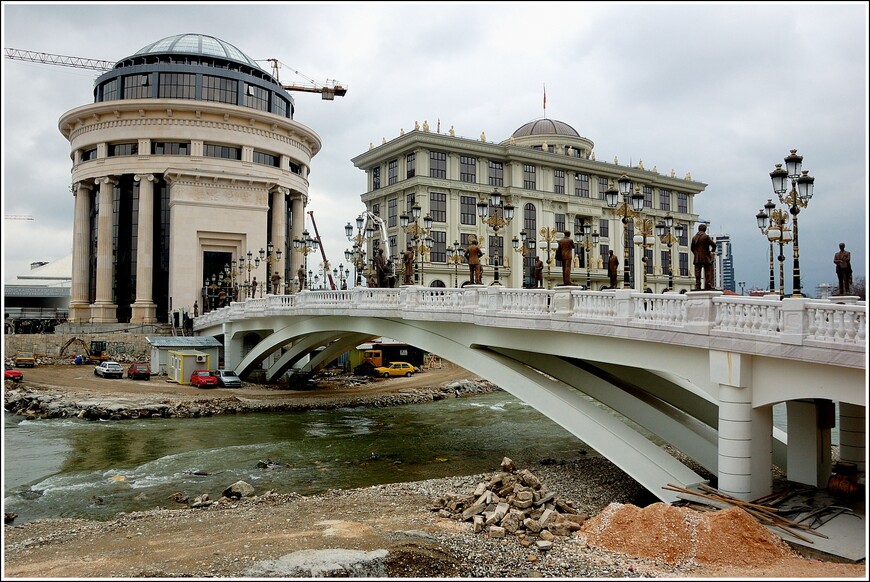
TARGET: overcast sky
(723,91)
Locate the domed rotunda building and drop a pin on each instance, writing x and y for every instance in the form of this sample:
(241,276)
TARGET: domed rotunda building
(187,167)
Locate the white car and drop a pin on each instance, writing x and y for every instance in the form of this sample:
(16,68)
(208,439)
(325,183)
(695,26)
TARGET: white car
(228,379)
(109,370)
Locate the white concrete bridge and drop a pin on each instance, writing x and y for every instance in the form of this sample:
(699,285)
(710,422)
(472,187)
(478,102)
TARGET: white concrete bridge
(701,371)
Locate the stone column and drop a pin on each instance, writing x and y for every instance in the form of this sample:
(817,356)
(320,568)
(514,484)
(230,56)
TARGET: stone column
(144,310)
(745,452)
(104,309)
(79,306)
(279,225)
(809,442)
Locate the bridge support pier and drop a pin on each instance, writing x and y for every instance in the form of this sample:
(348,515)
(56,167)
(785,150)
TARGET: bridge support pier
(745,433)
(233,348)
(853,435)
(809,441)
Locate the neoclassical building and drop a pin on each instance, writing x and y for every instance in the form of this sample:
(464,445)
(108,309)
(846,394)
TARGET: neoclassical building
(548,172)
(187,162)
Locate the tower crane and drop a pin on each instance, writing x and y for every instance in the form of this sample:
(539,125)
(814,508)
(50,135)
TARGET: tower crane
(18,217)
(322,252)
(328,91)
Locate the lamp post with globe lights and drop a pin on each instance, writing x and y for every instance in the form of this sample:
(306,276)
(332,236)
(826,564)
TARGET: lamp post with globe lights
(670,234)
(631,206)
(496,213)
(525,246)
(798,197)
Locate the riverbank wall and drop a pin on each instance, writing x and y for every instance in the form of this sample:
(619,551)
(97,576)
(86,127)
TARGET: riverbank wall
(121,346)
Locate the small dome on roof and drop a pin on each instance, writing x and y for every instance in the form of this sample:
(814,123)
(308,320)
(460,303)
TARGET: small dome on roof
(197,44)
(545,127)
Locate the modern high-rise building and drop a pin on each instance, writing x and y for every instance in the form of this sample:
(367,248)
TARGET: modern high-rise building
(547,175)
(187,167)
(724,279)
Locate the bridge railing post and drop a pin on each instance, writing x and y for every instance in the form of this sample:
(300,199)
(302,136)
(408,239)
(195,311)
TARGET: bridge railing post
(700,311)
(623,307)
(794,320)
(563,303)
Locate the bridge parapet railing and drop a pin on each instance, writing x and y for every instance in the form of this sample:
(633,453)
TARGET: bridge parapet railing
(534,303)
(748,315)
(663,309)
(446,298)
(835,323)
(593,305)
(377,298)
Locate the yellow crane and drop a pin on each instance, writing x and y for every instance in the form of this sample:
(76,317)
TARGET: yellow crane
(328,91)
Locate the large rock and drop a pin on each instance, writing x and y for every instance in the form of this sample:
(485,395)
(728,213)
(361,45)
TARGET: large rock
(238,490)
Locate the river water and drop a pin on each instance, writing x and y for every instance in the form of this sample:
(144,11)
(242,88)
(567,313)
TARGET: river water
(77,468)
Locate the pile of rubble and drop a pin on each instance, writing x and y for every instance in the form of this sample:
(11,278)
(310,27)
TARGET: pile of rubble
(513,502)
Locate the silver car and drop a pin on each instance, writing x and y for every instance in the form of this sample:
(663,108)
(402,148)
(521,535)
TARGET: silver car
(228,379)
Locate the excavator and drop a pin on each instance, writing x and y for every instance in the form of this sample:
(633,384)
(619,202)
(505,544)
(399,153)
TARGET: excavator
(96,352)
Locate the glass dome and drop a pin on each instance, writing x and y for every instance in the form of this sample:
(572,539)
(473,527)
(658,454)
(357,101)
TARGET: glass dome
(197,44)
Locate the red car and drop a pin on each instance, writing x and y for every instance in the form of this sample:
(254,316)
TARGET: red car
(203,379)
(13,375)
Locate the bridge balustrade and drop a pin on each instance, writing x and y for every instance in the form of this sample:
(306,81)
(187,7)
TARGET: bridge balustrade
(795,321)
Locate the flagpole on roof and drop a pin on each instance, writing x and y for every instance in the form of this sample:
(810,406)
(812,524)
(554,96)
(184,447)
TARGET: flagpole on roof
(545,100)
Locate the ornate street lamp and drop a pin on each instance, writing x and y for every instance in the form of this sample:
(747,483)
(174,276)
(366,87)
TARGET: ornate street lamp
(631,206)
(763,220)
(644,240)
(525,246)
(357,256)
(670,234)
(305,245)
(497,213)
(798,197)
(549,240)
(455,255)
(777,232)
(420,236)
(588,241)
(272,256)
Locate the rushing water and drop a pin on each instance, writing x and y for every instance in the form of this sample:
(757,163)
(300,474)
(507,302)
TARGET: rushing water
(78,468)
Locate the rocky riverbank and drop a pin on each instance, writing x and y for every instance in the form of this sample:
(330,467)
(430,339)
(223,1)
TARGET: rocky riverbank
(400,530)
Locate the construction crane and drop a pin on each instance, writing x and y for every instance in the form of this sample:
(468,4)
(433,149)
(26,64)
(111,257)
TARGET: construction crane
(18,217)
(322,252)
(328,91)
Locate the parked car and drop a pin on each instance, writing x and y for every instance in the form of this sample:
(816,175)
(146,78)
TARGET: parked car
(228,379)
(203,379)
(396,369)
(109,370)
(25,360)
(139,370)
(13,375)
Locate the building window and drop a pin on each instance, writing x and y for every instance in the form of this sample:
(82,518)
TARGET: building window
(219,151)
(411,163)
(409,202)
(496,249)
(664,199)
(529,181)
(559,181)
(296,169)
(266,159)
(467,169)
(530,220)
(683,240)
(602,187)
(110,90)
(177,86)
(220,89)
(438,206)
(123,149)
(581,185)
(684,264)
(465,238)
(604,252)
(376,178)
(647,197)
(437,165)
(392,172)
(280,107)
(467,210)
(603,227)
(256,97)
(392,211)
(438,253)
(496,173)
(88,155)
(170,148)
(394,246)
(682,202)
(137,86)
